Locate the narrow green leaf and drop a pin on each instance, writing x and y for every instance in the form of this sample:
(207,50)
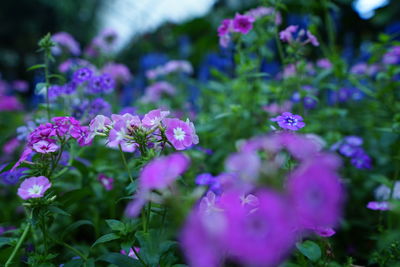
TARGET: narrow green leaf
(106,238)
(38,66)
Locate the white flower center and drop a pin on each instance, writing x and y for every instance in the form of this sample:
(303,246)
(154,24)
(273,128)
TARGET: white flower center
(35,189)
(179,134)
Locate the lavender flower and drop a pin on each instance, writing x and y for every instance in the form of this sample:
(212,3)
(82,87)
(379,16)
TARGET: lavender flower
(81,75)
(33,187)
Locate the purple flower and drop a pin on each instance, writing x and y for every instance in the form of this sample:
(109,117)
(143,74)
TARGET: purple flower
(179,133)
(131,252)
(224,41)
(324,63)
(246,165)
(316,195)
(242,23)
(204,179)
(107,83)
(66,41)
(289,121)
(375,205)
(82,75)
(119,72)
(33,187)
(55,91)
(154,92)
(118,137)
(12,177)
(20,85)
(99,106)
(259,237)
(95,85)
(81,134)
(361,160)
(106,182)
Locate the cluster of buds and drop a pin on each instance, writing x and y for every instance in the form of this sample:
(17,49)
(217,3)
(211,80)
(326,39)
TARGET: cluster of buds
(130,132)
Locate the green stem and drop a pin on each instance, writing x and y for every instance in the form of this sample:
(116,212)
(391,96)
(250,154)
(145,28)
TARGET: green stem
(46,76)
(20,241)
(125,163)
(329,27)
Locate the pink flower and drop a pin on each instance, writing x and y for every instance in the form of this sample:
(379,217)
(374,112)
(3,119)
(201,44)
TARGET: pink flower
(45,146)
(157,174)
(154,118)
(131,252)
(162,171)
(243,23)
(118,137)
(287,34)
(225,27)
(105,181)
(312,39)
(33,187)
(179,133)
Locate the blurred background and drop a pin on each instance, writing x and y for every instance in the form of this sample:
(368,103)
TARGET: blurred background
(185,29)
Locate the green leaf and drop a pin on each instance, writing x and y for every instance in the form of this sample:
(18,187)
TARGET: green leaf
(309,249)
(74,263)
(106,238)
(38,66)
(74,226)
(57,210)
(120,260)
(57,76)
(116,225)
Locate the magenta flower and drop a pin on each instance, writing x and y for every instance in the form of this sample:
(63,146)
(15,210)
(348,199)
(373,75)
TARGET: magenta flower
(154,118)
(262,237)
(289,121)
(180,134)
(242,23)
(33,187)
(316,195)
(225,27)
(324,231)
(45,146)
(81,134)
(106,182)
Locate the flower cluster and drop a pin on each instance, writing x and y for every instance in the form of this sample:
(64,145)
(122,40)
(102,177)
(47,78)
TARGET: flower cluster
(240,24)
(350,147)
(170,67)
(258,226)
(49,137)
(302,37)
(130,132)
